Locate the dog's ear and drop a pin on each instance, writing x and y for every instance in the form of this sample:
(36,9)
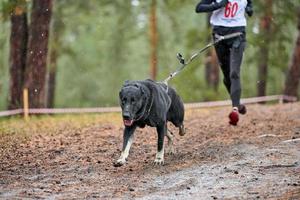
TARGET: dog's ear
(126,83)
(120,93)
(144,94)
(137,85)
(142,91)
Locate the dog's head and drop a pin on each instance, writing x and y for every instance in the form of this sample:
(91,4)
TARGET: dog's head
(132,101)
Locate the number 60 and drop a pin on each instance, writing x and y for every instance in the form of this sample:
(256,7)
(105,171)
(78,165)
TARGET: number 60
(231,9)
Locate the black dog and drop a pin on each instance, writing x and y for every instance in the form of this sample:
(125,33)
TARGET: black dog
(153,104)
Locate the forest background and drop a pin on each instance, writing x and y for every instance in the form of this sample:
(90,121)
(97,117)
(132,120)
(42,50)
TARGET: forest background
(94,46)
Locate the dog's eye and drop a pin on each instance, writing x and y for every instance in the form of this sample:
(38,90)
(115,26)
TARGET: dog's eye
(132,100)
(124,100)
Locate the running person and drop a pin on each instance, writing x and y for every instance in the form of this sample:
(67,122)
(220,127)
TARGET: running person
(228,16)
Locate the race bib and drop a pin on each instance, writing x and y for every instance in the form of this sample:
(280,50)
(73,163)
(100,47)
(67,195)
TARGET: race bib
(232,15)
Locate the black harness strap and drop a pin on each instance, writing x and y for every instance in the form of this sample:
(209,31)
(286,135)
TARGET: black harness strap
(145,110)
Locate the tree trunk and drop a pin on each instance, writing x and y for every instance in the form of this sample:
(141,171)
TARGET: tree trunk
(212,69)
(153,40)
(36,64)
(17,58)
(51,78)
(266,32)
(57,27)
(211,64)
(293,75)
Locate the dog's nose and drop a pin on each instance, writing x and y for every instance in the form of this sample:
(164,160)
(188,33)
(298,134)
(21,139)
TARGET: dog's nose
(126,115)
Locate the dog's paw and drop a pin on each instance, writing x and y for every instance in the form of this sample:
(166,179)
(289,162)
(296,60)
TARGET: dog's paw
(159,161)
(182,130)
(119,163)
(171,150)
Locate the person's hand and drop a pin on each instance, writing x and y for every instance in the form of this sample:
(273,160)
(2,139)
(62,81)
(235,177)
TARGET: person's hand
(223,3)
(249,11)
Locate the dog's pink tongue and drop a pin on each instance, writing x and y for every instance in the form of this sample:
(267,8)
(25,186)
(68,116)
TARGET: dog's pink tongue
(127,122)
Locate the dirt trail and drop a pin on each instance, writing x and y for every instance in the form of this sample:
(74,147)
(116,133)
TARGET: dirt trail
(258,159)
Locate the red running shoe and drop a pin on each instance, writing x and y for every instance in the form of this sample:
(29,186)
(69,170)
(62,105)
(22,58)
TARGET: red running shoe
(234,116)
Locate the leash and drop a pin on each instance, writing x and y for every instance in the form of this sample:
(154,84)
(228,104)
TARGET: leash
(184,63)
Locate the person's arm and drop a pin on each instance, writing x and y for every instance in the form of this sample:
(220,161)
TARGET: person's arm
(249,9)
(209,5)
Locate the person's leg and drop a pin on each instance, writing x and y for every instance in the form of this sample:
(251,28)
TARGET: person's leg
(223,54)
(236,57)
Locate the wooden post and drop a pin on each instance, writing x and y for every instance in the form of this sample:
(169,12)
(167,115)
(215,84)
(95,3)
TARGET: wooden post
(25,104)
(281,99)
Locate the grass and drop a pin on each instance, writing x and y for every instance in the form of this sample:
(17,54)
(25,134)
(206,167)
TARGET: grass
(46,123)
(49,124)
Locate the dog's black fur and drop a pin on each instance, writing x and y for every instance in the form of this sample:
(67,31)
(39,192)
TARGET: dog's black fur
(153,104)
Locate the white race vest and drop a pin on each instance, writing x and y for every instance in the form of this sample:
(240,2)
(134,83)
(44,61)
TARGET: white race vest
(232,15)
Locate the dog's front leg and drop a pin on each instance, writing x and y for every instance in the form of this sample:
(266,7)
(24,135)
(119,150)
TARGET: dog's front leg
(127,141)
(161,132)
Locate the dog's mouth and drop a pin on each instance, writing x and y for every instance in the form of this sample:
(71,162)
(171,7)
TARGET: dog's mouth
(128,122)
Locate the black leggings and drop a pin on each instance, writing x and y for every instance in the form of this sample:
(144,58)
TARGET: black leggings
(230,55)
